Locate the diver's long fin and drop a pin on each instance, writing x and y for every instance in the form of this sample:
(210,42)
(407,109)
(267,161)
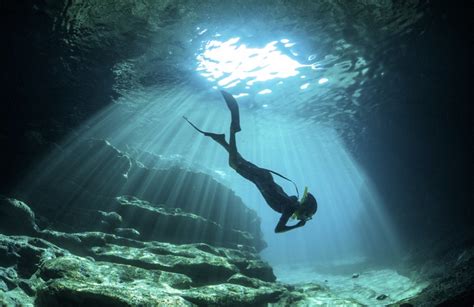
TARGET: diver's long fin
(193,125)
(220,138)
(234,111)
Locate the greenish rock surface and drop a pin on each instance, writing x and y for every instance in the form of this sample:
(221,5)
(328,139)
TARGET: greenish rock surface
(127,232)
(232,295)
(15,297)
(75,280)
(53,268)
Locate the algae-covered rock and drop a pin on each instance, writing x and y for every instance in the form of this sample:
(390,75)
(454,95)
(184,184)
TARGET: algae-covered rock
(312,294)
(240,279)
(20,257)
(131,233)
(15,297)
(71,293)
(82,269)
(201,267)
(112,270)
(26,253)
(78,281)
(202,262)
(258,269)
(232,295)
(250,264)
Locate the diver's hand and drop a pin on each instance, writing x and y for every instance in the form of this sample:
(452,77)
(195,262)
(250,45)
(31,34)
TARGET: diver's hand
(301,223)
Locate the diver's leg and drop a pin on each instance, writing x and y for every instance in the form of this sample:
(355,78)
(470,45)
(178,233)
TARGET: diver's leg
(234,156)
(234,111)
(219,138)
(259,176)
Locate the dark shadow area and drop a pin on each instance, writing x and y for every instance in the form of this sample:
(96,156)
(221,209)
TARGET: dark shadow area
(418,147)
(48,87)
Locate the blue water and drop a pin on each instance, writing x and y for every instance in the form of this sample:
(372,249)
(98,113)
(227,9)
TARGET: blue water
(299,91)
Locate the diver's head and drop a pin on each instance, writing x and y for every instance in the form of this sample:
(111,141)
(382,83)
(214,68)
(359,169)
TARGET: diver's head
(308,207)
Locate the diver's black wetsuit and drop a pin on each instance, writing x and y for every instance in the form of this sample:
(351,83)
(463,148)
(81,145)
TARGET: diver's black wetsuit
(273,194)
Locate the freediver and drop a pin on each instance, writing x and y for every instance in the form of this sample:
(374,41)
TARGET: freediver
(276,198)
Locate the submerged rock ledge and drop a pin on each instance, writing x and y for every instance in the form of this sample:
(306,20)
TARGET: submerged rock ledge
(53,268)
(91,185)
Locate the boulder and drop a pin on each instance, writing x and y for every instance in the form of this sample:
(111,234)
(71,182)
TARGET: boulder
(77,281)
(202,267)
(20,257)
(131,233)
(25,254)
(232,295)
(16,218)
(15,297)
(246,281)
(257,269)
(250,264)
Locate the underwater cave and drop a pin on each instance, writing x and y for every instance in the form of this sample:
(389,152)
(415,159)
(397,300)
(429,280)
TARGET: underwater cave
(236,153)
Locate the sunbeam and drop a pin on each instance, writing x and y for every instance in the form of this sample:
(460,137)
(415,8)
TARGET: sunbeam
(236,153)
(350,222)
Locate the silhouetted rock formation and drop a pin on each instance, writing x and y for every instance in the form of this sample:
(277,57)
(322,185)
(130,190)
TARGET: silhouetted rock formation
(16,217)
(83,188)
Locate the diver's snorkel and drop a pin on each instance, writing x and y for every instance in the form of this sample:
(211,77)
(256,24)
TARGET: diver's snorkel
(305,194)
(304,216)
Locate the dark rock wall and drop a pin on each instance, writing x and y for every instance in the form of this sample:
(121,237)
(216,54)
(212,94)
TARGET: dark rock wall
(44,94)
(73,188)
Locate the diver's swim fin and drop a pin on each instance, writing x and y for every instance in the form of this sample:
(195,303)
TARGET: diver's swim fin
(220,138)
(234,111)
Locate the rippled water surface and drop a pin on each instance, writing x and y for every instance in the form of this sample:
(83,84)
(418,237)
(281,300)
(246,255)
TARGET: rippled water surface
(331,52)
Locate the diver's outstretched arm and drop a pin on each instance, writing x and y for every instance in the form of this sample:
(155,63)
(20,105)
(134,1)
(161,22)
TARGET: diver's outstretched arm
(281,226)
